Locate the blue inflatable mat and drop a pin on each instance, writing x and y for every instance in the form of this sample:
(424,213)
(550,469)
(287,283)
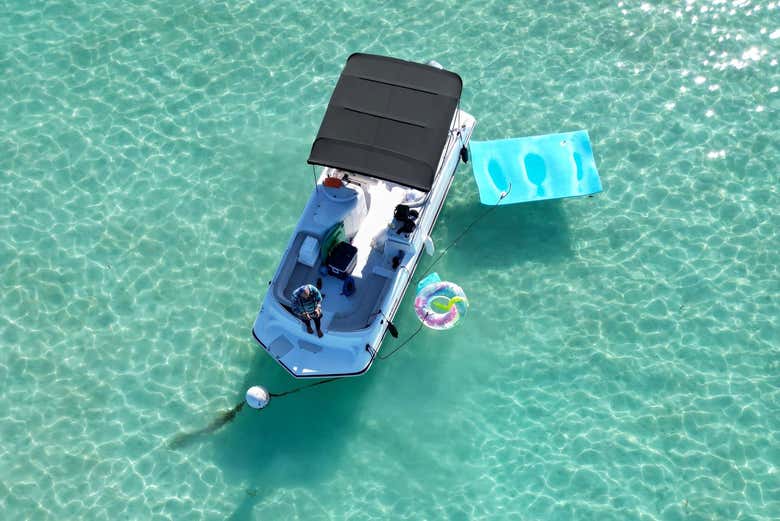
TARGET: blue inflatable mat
(535,168)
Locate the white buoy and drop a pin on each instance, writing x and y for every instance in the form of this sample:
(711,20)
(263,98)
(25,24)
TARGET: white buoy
(434,63)
(257,397)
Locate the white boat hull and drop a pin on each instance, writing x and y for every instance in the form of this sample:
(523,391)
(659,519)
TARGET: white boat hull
(354,327)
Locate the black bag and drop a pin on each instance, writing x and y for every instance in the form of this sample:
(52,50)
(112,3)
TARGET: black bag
(342,259)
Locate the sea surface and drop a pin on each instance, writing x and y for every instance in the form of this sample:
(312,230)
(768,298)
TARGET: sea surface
(621,356)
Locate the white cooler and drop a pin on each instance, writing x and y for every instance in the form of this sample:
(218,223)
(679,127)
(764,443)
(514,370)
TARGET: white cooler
(309,252)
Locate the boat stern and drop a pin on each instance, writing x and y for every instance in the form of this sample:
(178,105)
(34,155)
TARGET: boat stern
(304,355)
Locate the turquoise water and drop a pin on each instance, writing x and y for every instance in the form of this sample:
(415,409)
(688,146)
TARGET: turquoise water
(621,357)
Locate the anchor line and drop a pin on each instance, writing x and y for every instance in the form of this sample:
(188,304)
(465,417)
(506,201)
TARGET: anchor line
(394,351)
(302,387)
(463,233)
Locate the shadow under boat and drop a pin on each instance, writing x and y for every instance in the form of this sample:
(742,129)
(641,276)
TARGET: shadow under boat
(296,441)
(532,232)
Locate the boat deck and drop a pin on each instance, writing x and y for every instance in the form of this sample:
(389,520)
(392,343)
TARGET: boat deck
(373,267)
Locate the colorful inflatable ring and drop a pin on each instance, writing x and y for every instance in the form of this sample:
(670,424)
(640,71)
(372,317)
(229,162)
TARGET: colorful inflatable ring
(439,305)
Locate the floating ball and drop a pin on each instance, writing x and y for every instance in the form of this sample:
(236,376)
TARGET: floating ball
(257,397)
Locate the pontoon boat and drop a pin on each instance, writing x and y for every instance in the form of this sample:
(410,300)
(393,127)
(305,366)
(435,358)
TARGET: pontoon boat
(388,145)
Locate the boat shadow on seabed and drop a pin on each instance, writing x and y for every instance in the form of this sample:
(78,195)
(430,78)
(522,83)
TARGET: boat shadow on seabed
(293,442)
(531,232)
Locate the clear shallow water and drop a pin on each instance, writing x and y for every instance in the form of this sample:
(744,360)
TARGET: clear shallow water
(620,359)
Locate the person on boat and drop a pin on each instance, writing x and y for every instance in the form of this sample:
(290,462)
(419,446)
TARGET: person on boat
(307,304)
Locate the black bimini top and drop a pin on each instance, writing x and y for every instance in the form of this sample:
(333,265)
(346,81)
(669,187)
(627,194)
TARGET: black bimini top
(389,119)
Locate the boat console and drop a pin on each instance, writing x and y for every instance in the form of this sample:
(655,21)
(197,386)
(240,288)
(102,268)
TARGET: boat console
(340,201)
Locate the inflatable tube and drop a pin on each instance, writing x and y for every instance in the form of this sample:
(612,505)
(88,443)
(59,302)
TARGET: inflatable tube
(439,305)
